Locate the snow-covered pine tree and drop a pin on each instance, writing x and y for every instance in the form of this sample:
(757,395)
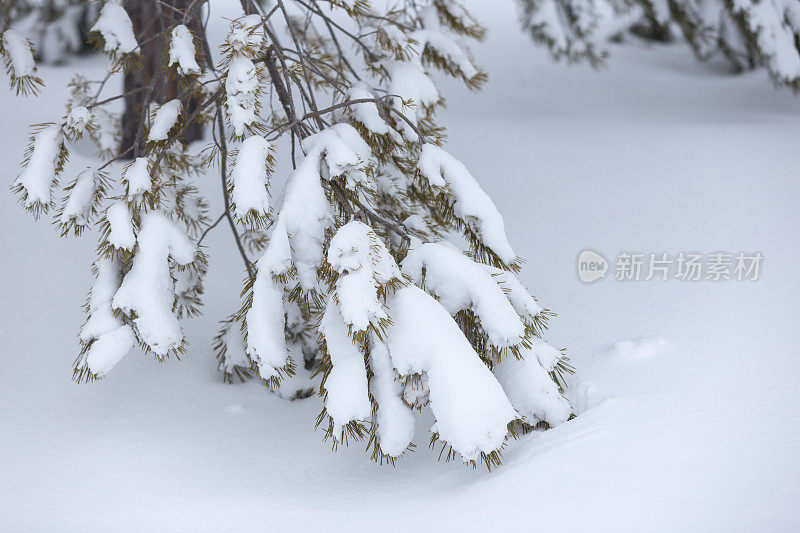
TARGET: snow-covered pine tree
(380,277)
(749,33)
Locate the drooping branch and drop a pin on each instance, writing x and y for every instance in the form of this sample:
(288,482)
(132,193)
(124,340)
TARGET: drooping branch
(223,170)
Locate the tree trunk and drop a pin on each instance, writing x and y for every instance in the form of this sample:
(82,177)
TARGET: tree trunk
(151,18)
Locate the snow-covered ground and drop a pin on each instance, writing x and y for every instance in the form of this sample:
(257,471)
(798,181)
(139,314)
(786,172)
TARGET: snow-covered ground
(688,390)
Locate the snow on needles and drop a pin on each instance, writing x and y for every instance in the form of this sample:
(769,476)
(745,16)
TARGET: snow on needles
(40,172)
(19,54)
(367,113)
(78,206)
(241,86)
(243,78)
(460,283)
(472,204)
(774,23)
(182,51)
(346,396)
(115,26)
(342,147)
(363,263)
(249,178)
(522,300)
(266,319)
(531,389)
(137,178)
(110,339)
(148,288)
(395,420)
(120,226)
(410,81)
(471,410)
(166,116)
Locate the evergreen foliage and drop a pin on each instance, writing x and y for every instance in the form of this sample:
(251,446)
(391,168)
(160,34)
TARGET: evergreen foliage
(748,33)
(380,278)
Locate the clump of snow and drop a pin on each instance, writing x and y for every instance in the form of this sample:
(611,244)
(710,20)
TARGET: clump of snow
(445,47)
(410,82)
(394,419)
(342,147)
(241,86)
(266,318)
(78,120)
(115,26)
(469,405)
(531,389)
(363,263)
(346,398)
(460,283)
(644,347)
(40,172)
(112,339)
(137,178)
(148,289)
(397,37)
(306,212)
(166,116)
(546,354)
(121,226)
(78,207)
(182,51)
(109,349)
(472,204)
(19,54)
(246,35)
(367,113)
(101,316)
(522,300)
(249,178)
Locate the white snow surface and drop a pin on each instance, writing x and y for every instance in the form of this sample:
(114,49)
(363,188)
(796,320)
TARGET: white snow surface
(686,391)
